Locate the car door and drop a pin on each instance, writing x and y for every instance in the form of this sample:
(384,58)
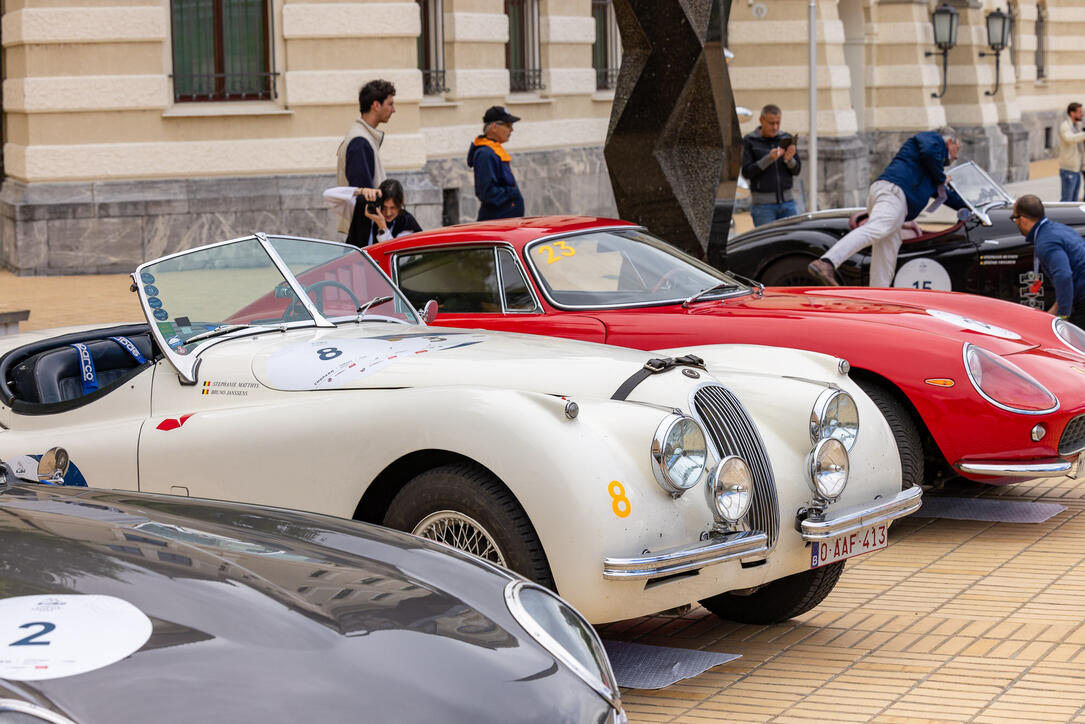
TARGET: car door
(484,286)
(943,261)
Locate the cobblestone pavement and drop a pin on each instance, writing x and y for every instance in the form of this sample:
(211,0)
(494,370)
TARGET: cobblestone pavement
(960,621)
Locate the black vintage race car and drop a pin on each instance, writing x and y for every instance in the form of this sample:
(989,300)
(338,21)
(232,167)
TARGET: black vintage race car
(125,607)
(984,254)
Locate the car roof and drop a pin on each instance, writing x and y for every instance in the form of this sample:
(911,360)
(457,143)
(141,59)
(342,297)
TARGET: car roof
(516,232)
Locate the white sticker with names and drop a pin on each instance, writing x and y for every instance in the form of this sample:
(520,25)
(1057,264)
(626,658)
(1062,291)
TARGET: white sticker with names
(48,637)
(972,325)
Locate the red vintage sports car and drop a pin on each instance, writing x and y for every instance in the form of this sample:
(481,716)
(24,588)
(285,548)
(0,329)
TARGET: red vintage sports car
(987,389)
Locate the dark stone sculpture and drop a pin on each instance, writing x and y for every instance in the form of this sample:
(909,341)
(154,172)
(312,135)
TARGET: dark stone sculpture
(673,147)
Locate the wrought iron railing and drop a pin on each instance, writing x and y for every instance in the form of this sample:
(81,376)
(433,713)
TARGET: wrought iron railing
(223,86)
(525,79)
(606,78)
(433,82)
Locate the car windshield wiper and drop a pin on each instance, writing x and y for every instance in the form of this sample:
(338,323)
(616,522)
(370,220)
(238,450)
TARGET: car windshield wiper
(217,332)
(721,287)
(375,300)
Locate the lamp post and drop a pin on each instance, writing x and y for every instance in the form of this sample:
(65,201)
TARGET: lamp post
(998,36)
(944,21)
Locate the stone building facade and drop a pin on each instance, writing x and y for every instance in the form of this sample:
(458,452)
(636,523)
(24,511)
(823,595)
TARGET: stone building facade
(135,128)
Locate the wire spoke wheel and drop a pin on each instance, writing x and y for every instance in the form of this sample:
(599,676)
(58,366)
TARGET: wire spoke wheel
(461,532)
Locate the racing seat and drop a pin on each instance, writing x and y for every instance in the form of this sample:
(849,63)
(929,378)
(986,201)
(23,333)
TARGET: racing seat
(55,375)
(910,231)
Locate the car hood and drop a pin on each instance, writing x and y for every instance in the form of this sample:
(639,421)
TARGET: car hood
(368,356)
(1001,327)
(238,597)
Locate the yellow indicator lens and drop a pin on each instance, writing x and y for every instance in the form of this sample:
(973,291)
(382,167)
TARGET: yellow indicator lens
(940,382)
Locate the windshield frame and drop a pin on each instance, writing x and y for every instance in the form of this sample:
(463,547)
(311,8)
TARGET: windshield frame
(980,211)
(187,365)
(528,260)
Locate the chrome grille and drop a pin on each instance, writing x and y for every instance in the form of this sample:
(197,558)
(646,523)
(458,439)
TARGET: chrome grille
(1073,437)
(733,433)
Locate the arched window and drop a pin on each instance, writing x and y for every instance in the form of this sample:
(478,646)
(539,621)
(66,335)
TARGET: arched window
(431,46)
(522,55)
(222,50)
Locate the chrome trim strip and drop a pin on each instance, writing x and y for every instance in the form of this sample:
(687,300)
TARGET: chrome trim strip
(555,649)
(33,710)
(1018,470)
(855,518)
(689,557)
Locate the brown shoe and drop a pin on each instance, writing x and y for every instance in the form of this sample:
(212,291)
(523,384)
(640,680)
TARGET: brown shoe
(824,272)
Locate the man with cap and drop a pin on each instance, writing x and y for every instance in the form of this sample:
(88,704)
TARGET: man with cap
(499,196)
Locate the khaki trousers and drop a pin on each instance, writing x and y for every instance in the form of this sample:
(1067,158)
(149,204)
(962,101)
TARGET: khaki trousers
(887,208)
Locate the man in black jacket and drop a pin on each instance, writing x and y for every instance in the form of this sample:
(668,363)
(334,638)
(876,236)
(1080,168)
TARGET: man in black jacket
(769,163)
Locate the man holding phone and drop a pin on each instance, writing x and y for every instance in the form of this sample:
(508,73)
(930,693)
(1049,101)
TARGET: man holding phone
(770,164)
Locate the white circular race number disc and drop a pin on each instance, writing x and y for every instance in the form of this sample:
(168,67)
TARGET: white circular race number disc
(923,274)
(47,637)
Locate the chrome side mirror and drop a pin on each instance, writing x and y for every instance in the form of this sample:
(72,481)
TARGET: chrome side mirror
(53,466)
(429,311)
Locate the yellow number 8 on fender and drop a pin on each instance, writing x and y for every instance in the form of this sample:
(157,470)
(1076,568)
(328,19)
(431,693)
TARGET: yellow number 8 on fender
(618,502)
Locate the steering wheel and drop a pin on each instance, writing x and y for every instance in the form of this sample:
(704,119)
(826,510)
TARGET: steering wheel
(668,276)
(292,309)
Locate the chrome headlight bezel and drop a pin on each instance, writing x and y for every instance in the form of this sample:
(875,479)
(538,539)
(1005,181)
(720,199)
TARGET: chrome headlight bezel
(731,484)
(602,681)
(825,418)
(663,471)
(824,480)
(1064,330)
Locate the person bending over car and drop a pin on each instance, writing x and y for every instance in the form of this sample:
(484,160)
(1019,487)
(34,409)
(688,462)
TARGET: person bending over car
(1060,251)
(912,178)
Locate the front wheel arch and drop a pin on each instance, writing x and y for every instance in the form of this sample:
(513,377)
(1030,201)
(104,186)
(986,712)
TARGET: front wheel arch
(378,496)
(935,466)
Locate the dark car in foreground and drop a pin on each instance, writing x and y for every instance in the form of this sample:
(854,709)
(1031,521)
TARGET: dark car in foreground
(125,607)
(983,254)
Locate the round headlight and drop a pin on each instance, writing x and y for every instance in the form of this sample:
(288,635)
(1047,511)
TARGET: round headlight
(1071,335)
(679,454)
(835,416)
(732,489)
(829,469)
(561,630)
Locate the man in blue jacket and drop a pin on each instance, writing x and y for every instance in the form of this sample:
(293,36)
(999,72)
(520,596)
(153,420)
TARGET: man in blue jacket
(914,176)
(1060,251)
(499,196)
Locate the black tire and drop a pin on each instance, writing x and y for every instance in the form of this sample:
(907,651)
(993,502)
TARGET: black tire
(789,272)
(471,491)
(780,600)
(905,432)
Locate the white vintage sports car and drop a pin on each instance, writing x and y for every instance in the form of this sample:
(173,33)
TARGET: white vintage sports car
(291,372)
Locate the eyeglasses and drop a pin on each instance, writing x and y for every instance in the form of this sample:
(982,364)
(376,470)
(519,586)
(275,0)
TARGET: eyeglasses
(1015,217)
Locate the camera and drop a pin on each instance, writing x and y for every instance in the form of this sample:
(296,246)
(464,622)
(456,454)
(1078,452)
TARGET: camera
(372,206)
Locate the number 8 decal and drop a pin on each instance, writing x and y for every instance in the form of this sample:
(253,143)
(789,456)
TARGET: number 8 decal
(618,502)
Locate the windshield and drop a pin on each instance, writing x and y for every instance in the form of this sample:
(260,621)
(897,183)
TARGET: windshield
(976,187)
(626,267)
(221,288)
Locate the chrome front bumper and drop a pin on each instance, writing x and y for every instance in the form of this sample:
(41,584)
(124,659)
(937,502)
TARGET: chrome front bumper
(1019,470)
(858,517)
(691,557)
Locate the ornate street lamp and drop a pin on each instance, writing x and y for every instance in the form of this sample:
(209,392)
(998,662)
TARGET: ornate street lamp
(944,20)
(998,37)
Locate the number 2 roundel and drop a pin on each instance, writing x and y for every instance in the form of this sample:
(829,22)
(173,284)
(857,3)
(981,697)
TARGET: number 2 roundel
(47,637)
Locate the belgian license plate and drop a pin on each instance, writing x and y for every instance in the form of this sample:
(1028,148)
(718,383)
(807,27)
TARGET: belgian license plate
(836,549)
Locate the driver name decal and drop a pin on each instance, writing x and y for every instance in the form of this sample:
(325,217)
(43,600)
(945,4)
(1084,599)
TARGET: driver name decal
(230,388)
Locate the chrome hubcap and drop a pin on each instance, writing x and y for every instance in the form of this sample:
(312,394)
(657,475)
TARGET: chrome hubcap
(461,532)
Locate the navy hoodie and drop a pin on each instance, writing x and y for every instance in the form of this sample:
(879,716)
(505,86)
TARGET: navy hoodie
(495,185)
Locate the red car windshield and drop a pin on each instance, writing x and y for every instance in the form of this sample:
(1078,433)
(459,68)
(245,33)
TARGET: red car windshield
(621,268)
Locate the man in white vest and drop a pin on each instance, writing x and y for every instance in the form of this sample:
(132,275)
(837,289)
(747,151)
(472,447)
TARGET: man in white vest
(359,162)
